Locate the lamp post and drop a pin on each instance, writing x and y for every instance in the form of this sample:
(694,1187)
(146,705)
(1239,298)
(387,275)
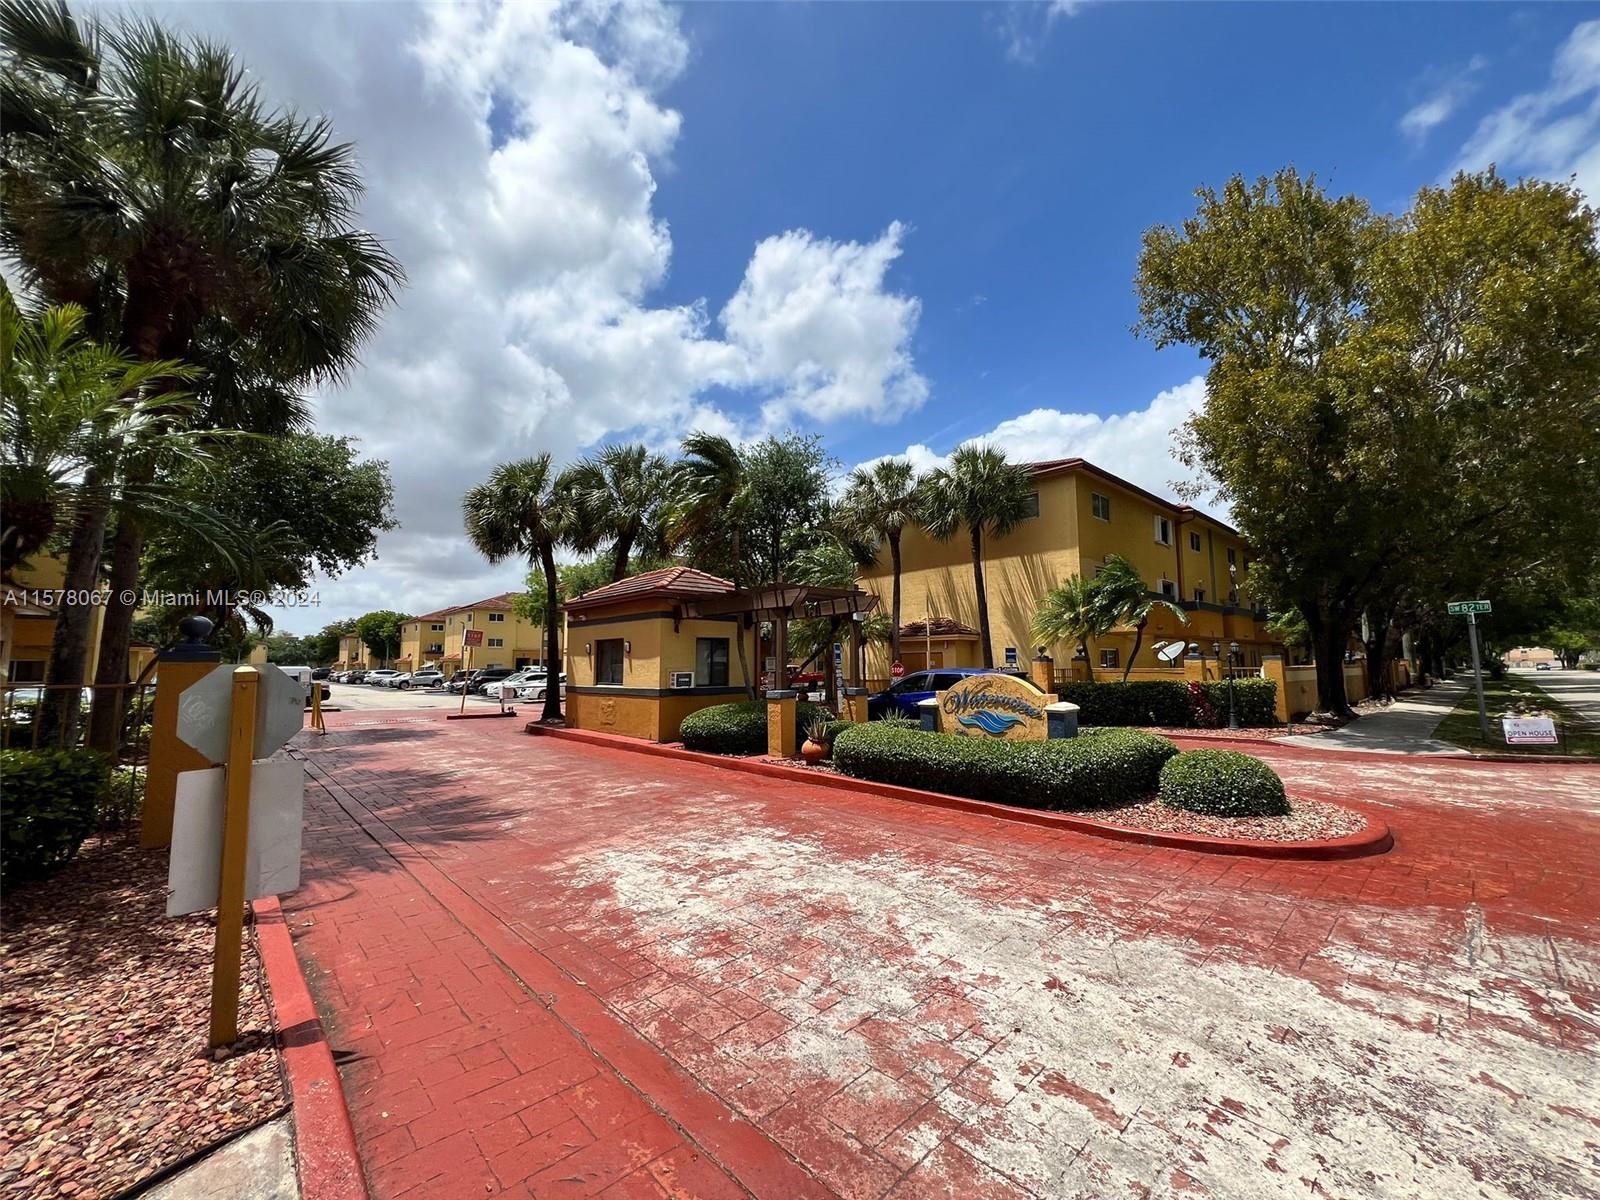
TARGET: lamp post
(1233,713)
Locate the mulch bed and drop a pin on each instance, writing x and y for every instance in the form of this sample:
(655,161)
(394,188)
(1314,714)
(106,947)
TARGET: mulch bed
(1310,821)
(1253,733)
(105,1076)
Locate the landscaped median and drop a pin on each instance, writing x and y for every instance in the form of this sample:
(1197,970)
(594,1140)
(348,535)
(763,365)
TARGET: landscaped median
(1106,782)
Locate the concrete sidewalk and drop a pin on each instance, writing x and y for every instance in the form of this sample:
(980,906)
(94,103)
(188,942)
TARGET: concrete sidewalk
(1405,727)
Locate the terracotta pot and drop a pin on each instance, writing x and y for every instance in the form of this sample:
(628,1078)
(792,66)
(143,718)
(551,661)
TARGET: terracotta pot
(813,753)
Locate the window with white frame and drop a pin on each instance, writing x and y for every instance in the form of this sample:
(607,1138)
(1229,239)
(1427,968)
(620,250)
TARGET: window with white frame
(496,641)
(1169,589)
(436,627)
(497,616)
(1100,506)
(1164,530)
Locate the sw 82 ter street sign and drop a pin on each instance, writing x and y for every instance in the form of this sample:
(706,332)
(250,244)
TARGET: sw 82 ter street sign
(1460,608)
(205,705)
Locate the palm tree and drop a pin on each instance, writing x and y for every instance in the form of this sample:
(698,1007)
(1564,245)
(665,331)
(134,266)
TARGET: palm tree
(711,498)
(523,509)
(878,503)
(619,496)
(145,179)
(1123,599)
(1071,612)
(987,496)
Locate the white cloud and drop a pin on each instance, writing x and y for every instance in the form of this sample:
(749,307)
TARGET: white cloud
(1554,132)
(511,153)
(1025,25)
(1442,101)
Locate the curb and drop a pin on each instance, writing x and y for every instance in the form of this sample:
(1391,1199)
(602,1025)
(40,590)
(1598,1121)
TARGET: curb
(326,1158)
(1374,839)
(1449,760)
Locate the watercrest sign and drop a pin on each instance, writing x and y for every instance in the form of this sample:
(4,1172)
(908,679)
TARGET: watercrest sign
(1002,707)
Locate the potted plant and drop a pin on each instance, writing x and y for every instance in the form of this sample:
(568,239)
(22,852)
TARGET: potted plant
(815,748)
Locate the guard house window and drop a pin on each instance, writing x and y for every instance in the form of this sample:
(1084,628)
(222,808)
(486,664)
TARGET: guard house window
(608,660)
(497,641)
(1030,506)
(1164,531)
(497,616)
(1108,658)
(1194,540)
(1100,506)
(437,627)
(711,662)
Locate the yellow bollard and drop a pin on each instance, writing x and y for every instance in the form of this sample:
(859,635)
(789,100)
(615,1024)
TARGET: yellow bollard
(235,847)
(316,707)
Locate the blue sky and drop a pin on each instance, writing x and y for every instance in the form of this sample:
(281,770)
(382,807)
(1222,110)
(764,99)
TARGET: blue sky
(897,225)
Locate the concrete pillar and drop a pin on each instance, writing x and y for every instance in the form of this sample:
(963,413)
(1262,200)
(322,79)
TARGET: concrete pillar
(855,704)
(1273,668)
(1061,720)
(176,669)
(1042,672)
(781,707)
(928,714)
(1194,668)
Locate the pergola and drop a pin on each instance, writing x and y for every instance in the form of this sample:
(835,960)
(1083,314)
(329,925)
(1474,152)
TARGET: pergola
(781,603)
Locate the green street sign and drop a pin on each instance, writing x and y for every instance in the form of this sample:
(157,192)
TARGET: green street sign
(1460,608)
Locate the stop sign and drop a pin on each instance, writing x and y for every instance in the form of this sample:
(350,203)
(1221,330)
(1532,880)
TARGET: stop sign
(898,670)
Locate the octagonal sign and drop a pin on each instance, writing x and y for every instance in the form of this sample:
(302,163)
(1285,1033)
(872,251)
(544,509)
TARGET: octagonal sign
(205,705)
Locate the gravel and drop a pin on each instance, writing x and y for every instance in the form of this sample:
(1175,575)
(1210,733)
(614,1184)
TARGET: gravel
(1254,733)
(105,1076)
(1308,821)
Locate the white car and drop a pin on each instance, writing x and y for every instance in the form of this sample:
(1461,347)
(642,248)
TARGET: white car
(508,686)
(535,689)
(380,677)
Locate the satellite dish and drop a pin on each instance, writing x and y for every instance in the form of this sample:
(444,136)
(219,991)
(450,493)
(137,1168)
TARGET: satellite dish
(1171,652)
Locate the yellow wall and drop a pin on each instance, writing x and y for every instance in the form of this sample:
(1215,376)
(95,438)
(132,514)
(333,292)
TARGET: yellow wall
(25,639)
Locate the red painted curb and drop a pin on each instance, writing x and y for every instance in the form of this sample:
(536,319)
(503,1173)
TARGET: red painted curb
(1374,839)
(326,1158)
(478,716)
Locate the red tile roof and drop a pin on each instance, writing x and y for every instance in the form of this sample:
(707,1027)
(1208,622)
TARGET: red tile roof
(667,582)
(503,600)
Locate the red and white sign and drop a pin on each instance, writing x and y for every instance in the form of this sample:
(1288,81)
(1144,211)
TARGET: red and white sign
(472,637)
(1530,731)
(898,669)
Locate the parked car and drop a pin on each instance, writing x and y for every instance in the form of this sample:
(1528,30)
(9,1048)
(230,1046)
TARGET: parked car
(428,677)
(456,680)
(535,689)
(397,679)
(380,677)
(507,687)
(901,697)
(319,672)
(355,675)
(1542,667)
(306,679)
(482,679)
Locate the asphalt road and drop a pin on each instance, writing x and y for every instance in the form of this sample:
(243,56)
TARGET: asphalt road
(1580,689)
(358,697)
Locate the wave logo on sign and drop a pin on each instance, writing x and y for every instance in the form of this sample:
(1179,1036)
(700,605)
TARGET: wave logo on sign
(993,723)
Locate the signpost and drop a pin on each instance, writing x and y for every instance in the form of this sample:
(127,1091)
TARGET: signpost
(469,639)
(1470,609)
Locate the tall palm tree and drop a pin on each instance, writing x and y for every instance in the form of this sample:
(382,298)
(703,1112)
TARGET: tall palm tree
(1071,612)
(985,495)
(145,179)
(619,495)
(878,503)
(524,509)
(711,497)
(1123,598)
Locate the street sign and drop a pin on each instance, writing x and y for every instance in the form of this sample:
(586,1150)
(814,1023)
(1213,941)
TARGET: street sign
(472,637)
(204,707)
(897,670)
(1530,731)
(1011,656)
(1460,608)
(272,857)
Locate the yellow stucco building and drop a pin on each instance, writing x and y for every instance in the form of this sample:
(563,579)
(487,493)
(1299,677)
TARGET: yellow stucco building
(435,638)
(1083,514)
(28,627)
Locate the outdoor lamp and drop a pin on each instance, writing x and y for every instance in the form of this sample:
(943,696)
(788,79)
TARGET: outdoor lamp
(1216,649)
(1233,713)
(586,652)
(627,646)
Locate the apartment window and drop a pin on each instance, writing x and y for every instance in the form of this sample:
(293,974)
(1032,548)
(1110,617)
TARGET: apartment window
(1194,540)
(1169,589)
(1100,505)
(1108,658)
(608,660)
(711,662)
(1164,531)
(1199,595)
(1232,561)
(27,670)
(435,647)
(497,641)
(1030,506)
(497,616)
(437,627)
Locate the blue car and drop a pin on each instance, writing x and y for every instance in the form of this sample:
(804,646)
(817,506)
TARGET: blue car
(901,698)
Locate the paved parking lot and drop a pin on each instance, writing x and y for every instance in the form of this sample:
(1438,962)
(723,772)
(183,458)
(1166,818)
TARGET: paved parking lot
(359,697)
(555,970)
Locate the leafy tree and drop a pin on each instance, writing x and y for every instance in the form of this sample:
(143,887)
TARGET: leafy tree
(878,503)
(1396,407)
(619,496)
(987,497)
(324,644)
(290,650)
(1121,597)
(380,632)
(1072,612)
(573,579)
(525,509)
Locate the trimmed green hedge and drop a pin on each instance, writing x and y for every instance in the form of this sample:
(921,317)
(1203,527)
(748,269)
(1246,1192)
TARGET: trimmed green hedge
(1167,702)
(1222,783)
(740,728)
(49,802)
(1097,769)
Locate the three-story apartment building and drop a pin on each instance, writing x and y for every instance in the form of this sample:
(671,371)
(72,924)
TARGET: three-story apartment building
(437,637)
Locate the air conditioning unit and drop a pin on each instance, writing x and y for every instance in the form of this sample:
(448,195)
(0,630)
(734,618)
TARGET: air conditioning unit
(683,679)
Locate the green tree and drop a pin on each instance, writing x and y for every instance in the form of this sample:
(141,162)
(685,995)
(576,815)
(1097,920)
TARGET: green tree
(1395,406)
(573,579)
(380,632)
(878,503)
(1071,612)
(1121,597)
(523,509)
(325,642)
(289,649)
(145,179)
(619,496)
(987,497)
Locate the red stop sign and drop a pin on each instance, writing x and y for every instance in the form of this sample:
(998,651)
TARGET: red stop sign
(897,670)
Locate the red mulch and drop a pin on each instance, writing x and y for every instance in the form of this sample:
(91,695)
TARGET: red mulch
(105,1077)
(1309,821)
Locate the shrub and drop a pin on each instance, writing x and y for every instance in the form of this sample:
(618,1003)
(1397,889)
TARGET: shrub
(1170,702)
(1222,783)
(740,728)
(1097,769)
(832,730)
(49,804)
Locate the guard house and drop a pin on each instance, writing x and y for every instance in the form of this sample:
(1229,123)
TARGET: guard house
(645,652)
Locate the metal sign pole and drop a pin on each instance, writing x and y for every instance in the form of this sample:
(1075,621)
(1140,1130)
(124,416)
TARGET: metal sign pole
(1477,674)
(235,844)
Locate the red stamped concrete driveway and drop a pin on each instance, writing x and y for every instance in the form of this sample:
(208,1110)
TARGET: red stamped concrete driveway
(555,970)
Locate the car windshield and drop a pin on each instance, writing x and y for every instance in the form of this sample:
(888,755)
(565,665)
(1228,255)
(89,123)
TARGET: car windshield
(911,683)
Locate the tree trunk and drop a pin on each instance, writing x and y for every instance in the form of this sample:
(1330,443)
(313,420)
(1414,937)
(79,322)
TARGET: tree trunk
(744,657)
(110,704)
(983,600)
(1378,656)
(1138,637)
(894,601)
(620,553)
(1329,636)
(69,646)
(552,636)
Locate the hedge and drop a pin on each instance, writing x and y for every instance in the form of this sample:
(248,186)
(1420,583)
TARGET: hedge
(1097,769)
(1222,783)
(740,728)
(1169,703)
(49,803)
